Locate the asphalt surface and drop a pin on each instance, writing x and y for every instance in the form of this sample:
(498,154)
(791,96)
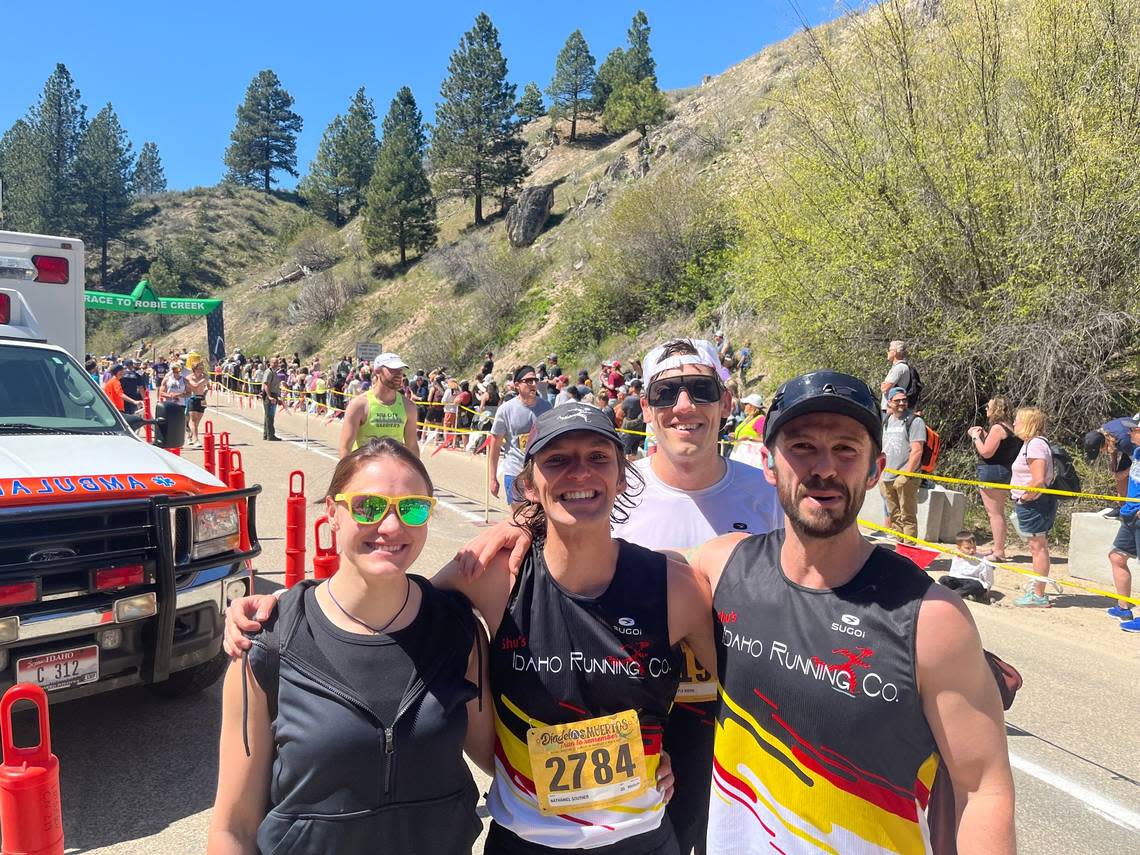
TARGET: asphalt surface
(138,772)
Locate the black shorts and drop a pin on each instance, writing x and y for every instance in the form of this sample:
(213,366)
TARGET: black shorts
(196,404)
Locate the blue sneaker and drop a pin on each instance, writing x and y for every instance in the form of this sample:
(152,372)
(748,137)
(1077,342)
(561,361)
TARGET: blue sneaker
(1130,625)
(1034,600)
(1118,612)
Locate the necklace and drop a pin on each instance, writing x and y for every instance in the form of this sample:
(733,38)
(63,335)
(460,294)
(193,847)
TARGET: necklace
(355,619)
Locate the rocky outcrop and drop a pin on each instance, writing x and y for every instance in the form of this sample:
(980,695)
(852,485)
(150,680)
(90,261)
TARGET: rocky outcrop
(528,215)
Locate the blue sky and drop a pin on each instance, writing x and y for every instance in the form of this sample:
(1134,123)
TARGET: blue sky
(175,72)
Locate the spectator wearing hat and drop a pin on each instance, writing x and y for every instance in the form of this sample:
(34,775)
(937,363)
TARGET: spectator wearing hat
(752,428)
(904,435)
(133,385)
(1115,439)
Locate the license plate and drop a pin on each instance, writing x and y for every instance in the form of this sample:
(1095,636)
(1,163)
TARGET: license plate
(60,669)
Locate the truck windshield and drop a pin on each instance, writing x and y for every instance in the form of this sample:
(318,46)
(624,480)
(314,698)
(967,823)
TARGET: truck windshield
(43,391)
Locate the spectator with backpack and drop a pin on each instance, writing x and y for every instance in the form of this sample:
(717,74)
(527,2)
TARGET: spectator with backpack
(1034,513)
(904,440)
(1126,545)
(901,374)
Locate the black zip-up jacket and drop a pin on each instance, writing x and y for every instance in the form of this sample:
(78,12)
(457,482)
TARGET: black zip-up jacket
(345,782)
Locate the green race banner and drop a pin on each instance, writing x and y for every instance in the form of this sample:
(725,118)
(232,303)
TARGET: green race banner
(143,299)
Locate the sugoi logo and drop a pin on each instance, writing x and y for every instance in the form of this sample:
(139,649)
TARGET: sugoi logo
(740,526)
(52,554)
(627,621)
(627,626)
(849,626)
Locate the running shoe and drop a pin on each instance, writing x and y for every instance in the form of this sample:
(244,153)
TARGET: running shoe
(1032,600)
(1130,625)
(1118,612)
(1111,514)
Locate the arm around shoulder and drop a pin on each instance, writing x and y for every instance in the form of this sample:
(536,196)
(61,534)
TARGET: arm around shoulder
(243,780)
(963,708)
(690,612)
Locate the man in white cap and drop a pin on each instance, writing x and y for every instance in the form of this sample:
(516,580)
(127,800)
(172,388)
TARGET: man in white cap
(384,410)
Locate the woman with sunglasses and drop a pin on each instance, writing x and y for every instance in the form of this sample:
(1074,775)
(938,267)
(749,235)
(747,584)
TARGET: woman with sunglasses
(344,729)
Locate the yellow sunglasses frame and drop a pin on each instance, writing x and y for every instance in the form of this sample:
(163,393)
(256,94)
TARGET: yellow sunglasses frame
(393,502)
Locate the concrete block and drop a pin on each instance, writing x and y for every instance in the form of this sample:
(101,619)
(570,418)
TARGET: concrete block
(1090,539)
(941,513)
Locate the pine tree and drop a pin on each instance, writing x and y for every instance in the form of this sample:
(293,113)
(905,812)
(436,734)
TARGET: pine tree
(103,182)
(59,120)
(327,186)
(149,177)
(613,73)
(476,147)
(637,105)
(24,175)
(530,106)
(358,148)
(401,209)
(573,79)
(264,140)
(638,58)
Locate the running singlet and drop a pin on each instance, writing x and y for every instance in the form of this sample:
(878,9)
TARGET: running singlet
(383,420)
(560,658)
(821,740)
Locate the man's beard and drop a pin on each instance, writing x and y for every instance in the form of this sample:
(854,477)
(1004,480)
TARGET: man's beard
(824,523)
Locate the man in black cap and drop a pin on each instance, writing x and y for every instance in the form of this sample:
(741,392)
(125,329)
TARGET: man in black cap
(133,385)
(846,676)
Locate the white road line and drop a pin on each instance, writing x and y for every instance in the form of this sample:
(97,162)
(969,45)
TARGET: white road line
(1114,812)
(443,503)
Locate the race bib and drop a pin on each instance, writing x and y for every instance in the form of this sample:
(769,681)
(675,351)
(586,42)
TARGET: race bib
(587,764)
(697,685)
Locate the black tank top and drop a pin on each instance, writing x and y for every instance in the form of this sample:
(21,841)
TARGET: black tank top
(561,658)
(821,740)
(1007,449)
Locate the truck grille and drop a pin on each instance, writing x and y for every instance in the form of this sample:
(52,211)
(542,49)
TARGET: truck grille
(60,545)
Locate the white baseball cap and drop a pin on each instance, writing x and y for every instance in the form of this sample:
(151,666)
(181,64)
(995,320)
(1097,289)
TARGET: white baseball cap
(753,399)
(388,360)
(655,361)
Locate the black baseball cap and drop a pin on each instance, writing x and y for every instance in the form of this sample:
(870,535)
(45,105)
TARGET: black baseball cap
(568,418)
(824,392)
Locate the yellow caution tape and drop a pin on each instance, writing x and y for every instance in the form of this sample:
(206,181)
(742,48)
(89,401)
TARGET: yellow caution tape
(1021,571)
(999,486)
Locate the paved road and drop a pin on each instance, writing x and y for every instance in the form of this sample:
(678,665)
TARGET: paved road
(138,772)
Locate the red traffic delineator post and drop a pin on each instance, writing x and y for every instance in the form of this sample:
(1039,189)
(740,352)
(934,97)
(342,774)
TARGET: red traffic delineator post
(295,530)
(209,461)
(147,416)
(237,482)
(31,815)
(224,459)
(326,561)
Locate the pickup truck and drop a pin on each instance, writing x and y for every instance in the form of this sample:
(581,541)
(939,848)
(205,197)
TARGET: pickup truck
(117,558)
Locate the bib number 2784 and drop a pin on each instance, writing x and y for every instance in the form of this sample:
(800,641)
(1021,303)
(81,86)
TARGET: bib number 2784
(588,764)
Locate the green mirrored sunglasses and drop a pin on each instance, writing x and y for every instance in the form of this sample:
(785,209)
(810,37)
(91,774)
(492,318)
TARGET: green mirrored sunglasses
(371,508)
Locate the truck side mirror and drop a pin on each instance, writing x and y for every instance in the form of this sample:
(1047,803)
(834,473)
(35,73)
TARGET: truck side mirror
(170,425)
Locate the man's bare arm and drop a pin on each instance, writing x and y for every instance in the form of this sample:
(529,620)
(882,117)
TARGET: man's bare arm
(352,421)
(963,708)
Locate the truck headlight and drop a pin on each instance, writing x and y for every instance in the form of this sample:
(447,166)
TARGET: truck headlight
(215,530)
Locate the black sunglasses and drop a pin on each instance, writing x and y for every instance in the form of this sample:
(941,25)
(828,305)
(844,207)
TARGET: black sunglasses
(701,389)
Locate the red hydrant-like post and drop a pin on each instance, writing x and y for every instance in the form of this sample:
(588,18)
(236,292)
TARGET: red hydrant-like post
(208,456)
(295,530)
(237,482)
(147,416)
(326,561)
(31,816)
(223,452)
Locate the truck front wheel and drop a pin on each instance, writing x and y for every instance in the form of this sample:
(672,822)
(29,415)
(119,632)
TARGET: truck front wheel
(192,680)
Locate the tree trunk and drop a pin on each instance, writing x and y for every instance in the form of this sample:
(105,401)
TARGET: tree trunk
(403,244)
(267,188)
(574,122)
(478,196)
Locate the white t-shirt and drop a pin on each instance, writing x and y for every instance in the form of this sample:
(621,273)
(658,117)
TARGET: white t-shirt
(899,375)
(973,568)
(670,518)
(1036,449)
